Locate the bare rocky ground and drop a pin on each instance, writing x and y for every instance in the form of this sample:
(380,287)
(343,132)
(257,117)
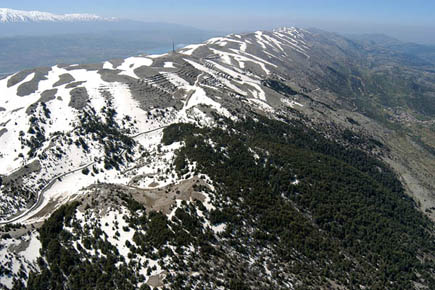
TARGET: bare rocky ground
(101,197)
(416,168)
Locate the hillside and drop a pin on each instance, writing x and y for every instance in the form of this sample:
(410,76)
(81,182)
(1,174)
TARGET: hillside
(289,159)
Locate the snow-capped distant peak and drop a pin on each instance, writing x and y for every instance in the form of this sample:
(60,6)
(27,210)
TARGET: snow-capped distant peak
(291,31)
(13,16)
(285,29)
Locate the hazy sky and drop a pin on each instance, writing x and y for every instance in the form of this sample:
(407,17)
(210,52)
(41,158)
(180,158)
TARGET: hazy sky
(405,19)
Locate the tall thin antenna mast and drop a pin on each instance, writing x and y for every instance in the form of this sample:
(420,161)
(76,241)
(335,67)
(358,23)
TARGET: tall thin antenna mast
(173,46)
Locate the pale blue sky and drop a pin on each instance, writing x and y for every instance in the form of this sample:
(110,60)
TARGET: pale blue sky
(406,19)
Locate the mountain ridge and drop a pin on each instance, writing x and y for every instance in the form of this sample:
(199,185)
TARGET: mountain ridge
(268,149)
(15,16)
(249,67)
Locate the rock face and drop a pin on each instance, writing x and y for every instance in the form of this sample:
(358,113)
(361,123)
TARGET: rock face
(264,160)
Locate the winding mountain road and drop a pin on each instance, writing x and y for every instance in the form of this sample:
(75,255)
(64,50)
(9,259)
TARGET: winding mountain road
(35,208)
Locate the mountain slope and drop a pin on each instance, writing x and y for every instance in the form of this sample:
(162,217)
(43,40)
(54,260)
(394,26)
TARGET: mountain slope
(262,160)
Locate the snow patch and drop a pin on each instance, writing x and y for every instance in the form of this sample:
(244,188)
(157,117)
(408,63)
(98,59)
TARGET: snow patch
(188,50)
(168,64)
(132,63)
(291,103)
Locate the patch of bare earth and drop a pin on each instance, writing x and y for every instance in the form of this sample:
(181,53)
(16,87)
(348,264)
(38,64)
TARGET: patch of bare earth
(102,197)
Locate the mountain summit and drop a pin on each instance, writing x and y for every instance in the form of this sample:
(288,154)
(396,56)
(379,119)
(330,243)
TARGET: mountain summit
(15,16)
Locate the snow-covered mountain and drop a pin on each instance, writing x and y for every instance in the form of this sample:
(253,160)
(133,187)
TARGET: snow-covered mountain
(199,169)
(16,16)
(47,104)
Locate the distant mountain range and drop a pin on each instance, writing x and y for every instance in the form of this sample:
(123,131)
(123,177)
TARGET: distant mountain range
(36,23)
(16,16)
